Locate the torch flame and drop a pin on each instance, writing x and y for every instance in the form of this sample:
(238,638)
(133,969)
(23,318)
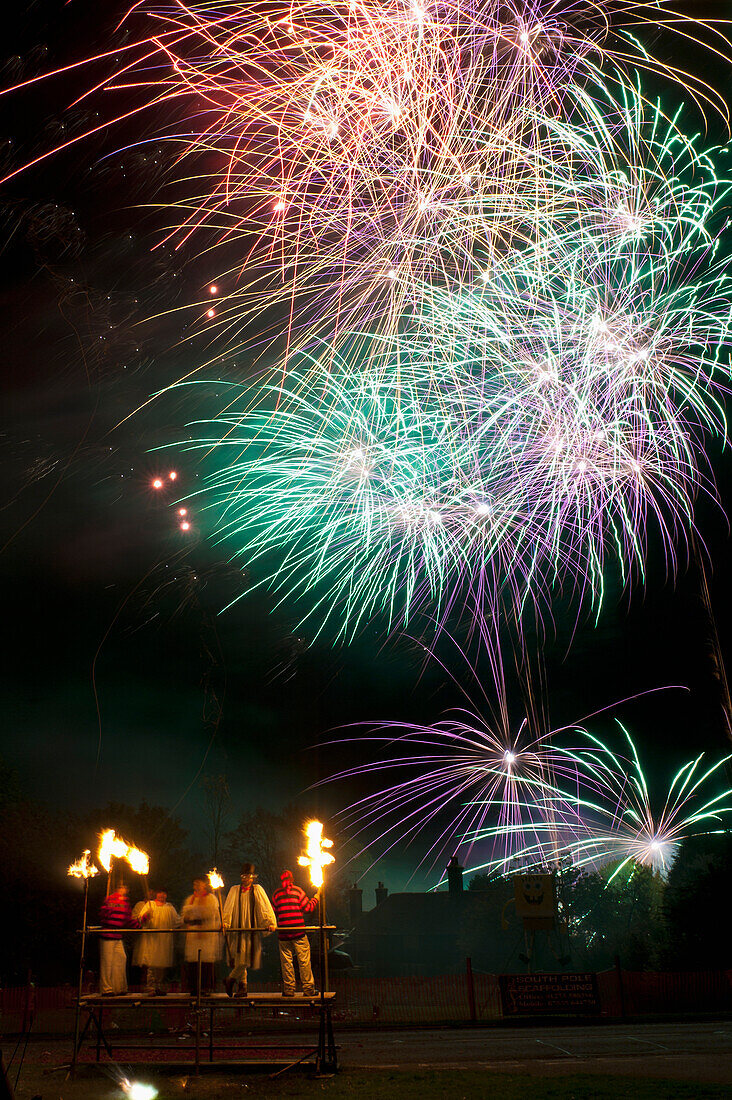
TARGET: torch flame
(215,880)
(83,868)
(111,845)
(138,861)
(316,859)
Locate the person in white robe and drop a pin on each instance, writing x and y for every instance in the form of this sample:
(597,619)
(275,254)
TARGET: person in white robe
(156,951)
(247,906)
(202,919)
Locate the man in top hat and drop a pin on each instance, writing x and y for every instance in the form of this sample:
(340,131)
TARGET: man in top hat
(247,906)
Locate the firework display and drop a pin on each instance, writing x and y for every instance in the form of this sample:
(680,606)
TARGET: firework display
(626,827)
(518,435)
(467,784)
(353,147)
(507,354)
(496,786)
(508,800)
(489,262)
(520,421)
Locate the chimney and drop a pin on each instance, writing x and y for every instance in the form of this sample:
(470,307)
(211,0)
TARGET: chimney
(381,893)
(355,903)
(454,878)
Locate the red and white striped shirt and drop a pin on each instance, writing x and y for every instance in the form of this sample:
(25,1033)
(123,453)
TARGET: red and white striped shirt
(290,907)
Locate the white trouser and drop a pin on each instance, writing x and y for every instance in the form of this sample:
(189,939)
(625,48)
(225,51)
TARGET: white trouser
(288,950)
(112,966)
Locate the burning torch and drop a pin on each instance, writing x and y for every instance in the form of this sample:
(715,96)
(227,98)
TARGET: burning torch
(113,847)
(139,861)
(216,883)
(83,868)
(110,847)
(315,859)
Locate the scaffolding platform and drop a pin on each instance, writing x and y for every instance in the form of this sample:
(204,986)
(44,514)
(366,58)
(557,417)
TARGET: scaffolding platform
(209,1000)
(284,1053)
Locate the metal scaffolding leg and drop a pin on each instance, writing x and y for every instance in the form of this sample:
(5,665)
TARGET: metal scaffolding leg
(95,1016)
(326,1060)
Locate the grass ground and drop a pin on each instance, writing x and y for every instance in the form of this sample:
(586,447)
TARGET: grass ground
(469,1084)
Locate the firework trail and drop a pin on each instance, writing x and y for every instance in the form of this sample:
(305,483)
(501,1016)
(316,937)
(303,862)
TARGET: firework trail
(499,781)
(355,148)
(605,393)
(479,767)
(467,782)
(626,827)
(346,480)
(526,434)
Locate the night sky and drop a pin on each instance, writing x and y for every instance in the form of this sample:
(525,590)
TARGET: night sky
(121,678)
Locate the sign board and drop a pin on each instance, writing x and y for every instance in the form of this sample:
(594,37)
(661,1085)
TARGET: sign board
(536,994)
(536,901)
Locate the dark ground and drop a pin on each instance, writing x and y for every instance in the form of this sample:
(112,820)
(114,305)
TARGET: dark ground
(645,1061)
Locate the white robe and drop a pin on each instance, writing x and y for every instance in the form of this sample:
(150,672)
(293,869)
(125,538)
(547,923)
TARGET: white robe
(248,909)
(156,951)
(137,939)
(206,937)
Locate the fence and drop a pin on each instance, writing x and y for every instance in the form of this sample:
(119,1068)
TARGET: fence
(416,1001)
(645,992)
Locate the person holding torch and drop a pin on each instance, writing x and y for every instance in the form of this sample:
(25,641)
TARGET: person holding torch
(290,903)
(201,918)
(115,916)
(155,952)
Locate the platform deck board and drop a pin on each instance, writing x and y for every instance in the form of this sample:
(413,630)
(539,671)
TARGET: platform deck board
(213,1000)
